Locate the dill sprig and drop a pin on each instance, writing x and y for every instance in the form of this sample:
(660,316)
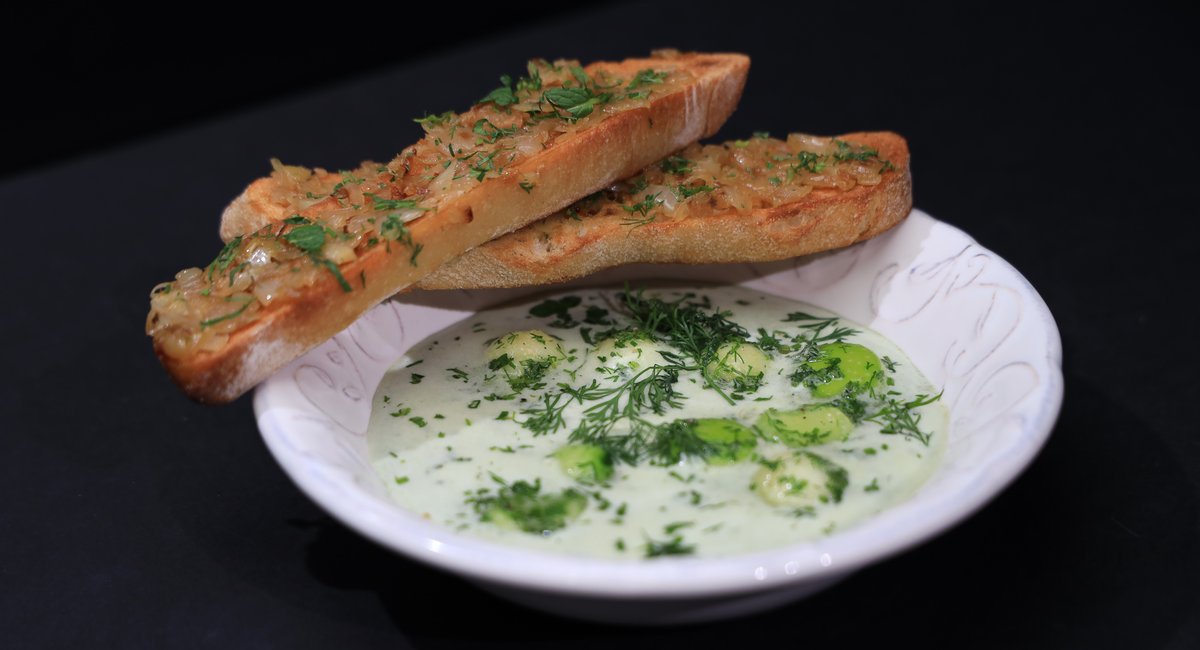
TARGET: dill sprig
(547,417)
(674,441)
(639,213)
(816,326)
(900,417)
(651,390)
(692,327)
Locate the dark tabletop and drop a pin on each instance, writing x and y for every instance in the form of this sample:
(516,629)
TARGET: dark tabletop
(132,517)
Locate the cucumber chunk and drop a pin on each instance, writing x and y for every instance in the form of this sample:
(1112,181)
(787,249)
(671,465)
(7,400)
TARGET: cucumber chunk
(585,463)
(802,480)
(805,427)
(740,365)
(524,357)
(839,366)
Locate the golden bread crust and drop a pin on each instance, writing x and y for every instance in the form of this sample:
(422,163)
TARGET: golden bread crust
(614,148)
(560,248)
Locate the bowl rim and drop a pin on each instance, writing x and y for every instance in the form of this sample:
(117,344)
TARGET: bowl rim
(908,523)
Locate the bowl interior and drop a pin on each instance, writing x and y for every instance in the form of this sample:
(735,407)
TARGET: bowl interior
(964,316)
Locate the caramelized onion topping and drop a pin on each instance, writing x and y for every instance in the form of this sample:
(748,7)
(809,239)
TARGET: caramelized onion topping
(337,217)
(761,172)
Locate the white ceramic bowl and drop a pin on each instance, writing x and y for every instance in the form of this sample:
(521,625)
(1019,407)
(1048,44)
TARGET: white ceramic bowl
(964,316)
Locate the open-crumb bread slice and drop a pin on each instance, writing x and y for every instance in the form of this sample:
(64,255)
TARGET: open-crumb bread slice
(321,250)
(743,201)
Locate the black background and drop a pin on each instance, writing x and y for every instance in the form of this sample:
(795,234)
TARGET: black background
(1060,138)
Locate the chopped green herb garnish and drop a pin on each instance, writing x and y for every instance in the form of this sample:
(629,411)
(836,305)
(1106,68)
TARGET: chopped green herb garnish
(337,273)
(435,120)
(670,529)
(645,78)
(677,165)
(900,417)
(489,133)
(231,315)
(596,316)
(641,208)
(393,204)
(522,506)
(672,546)
(308,238)
(347,179)
(502,96)
(688,191)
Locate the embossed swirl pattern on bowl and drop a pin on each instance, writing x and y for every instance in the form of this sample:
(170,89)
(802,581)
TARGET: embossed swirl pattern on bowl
(967,318)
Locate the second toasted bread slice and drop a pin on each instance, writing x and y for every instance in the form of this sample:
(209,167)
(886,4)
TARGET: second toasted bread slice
(743,201)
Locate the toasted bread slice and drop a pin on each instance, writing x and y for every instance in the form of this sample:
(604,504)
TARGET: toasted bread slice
(746,201)
(522,153)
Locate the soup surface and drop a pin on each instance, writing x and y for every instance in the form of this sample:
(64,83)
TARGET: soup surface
(635,424)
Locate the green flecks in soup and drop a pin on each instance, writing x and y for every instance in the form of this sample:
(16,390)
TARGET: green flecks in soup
(633,425)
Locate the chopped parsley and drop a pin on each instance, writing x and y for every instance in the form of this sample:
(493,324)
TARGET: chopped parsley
(393,204)
(577,102)
(430,121)
(489,133)
(308,238)
(502,96)
(225,257)
(231,315)
(646,77)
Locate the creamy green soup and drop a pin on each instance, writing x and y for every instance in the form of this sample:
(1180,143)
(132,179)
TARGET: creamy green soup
(636,424)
